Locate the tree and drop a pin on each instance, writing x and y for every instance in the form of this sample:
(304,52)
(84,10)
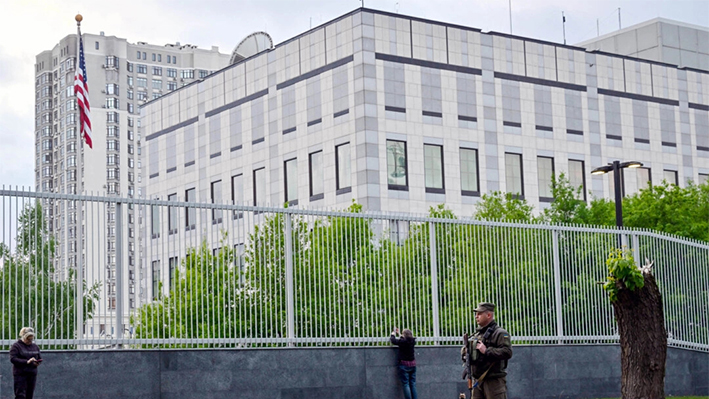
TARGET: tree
(31,291)
(670,209)
(637,304)
(200,304)
(504,207)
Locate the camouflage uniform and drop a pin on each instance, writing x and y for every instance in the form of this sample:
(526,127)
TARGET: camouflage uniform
(499,350)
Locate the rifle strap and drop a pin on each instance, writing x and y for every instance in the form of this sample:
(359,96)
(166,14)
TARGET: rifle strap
(479,381)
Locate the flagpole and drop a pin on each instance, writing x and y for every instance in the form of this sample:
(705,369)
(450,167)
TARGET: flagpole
(79,207)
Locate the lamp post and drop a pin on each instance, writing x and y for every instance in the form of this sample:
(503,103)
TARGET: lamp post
(615,167)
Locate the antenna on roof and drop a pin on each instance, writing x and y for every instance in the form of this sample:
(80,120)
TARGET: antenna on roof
(510,3)
(619,26)
(563,25)
(397,7)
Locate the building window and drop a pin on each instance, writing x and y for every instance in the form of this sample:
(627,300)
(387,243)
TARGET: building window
(469,175)
(142,68)
(216,199)
(171,72)
(343,166)
(172,263)
(156,279)
(203,74)
(129,66)
(111,61)
(644,178)
(112,88)
(237,193)
(112,103)
(259,186)
(155,221)
(190,212)
(96,45)
(174,59)
(159,57)
(172,86)
(154,57)
(157,84)
(577,177)
(291,181)
(142,96)
(187,74)
(129,80)
(433,168)
(142,82)
(545,172)
(703,178)
(397,176)
(670,176)
(172,215)
(513,174)
(317,186)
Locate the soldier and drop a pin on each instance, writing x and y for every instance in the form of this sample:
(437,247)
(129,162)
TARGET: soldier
(486,356)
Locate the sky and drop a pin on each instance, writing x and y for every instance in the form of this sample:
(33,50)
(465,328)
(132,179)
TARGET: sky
(32,26)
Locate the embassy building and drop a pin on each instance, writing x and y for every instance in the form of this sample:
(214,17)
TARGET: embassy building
(401,113)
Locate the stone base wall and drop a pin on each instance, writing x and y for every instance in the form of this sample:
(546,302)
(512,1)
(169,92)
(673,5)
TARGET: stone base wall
(579,371)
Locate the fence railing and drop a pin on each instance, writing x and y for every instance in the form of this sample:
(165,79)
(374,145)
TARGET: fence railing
(185,274)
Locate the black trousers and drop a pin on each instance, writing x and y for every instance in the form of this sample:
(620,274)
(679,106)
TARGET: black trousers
(24,385)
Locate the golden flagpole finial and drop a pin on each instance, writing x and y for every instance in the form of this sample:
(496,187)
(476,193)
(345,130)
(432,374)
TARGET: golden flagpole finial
(78,19)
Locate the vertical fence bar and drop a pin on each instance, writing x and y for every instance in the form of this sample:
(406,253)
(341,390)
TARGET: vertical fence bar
(434,282)
(289,279)
(557,285)
(636,249)
(119,272)
(80,268)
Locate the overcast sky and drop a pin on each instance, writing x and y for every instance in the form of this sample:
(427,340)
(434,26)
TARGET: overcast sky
(32,26)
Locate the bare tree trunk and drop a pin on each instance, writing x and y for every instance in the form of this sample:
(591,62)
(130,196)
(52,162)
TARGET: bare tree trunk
(643,341)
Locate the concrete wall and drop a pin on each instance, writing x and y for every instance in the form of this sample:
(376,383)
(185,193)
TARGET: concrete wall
(584,371)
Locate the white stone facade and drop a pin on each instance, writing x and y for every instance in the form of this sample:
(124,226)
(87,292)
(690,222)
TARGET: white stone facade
(370,77)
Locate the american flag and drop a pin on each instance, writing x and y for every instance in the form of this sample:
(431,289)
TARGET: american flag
(81,89)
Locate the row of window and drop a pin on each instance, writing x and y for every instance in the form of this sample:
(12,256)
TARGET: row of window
(170,59)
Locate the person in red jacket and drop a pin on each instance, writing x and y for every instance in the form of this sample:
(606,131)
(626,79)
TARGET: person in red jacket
(407,360)
(25,358)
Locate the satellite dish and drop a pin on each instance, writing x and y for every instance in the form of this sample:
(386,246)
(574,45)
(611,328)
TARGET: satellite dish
(252,44)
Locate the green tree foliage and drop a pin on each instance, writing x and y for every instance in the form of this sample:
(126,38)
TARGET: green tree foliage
(504,207)
(670,209)
(31,292)
(200,303)
(622,273)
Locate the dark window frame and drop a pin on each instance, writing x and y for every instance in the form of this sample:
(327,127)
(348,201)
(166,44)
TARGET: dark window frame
(468,193)
(398,187)
(435,190)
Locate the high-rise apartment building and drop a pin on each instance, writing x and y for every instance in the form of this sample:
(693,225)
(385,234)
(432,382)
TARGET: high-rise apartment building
(121,76)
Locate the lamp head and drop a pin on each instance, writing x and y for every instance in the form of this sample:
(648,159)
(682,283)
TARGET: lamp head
(601,170)
(631,164)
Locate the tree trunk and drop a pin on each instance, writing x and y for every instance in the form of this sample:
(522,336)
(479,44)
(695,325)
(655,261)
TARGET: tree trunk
(643,341)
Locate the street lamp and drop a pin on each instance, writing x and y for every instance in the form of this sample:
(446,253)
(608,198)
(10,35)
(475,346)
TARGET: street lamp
(615,167)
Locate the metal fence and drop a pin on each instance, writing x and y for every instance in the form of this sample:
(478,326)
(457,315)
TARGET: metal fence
(183,275)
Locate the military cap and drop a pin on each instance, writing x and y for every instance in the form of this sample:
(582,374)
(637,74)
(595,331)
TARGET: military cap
(485,307)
